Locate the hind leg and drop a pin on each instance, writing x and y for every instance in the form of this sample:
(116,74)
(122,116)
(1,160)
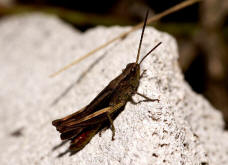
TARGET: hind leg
(112,126)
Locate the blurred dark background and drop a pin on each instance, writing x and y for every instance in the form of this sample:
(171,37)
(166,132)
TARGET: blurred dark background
(201,31)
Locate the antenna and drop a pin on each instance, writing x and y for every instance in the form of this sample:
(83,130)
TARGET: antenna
(150,52)
(156,17)
(140,43)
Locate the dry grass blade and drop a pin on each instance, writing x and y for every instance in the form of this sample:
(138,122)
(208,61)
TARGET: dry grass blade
(124,34)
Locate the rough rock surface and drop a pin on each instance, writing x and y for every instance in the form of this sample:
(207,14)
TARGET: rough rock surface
(183,128)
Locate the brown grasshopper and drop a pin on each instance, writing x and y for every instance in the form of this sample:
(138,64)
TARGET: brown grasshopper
(82,125)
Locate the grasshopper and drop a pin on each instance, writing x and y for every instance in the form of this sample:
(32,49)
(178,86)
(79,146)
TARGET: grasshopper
(82,125)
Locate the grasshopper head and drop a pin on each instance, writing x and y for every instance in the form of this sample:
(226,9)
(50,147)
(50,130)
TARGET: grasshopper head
(132,71)
(132,68)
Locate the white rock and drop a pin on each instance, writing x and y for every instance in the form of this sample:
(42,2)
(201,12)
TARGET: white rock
(182,129)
